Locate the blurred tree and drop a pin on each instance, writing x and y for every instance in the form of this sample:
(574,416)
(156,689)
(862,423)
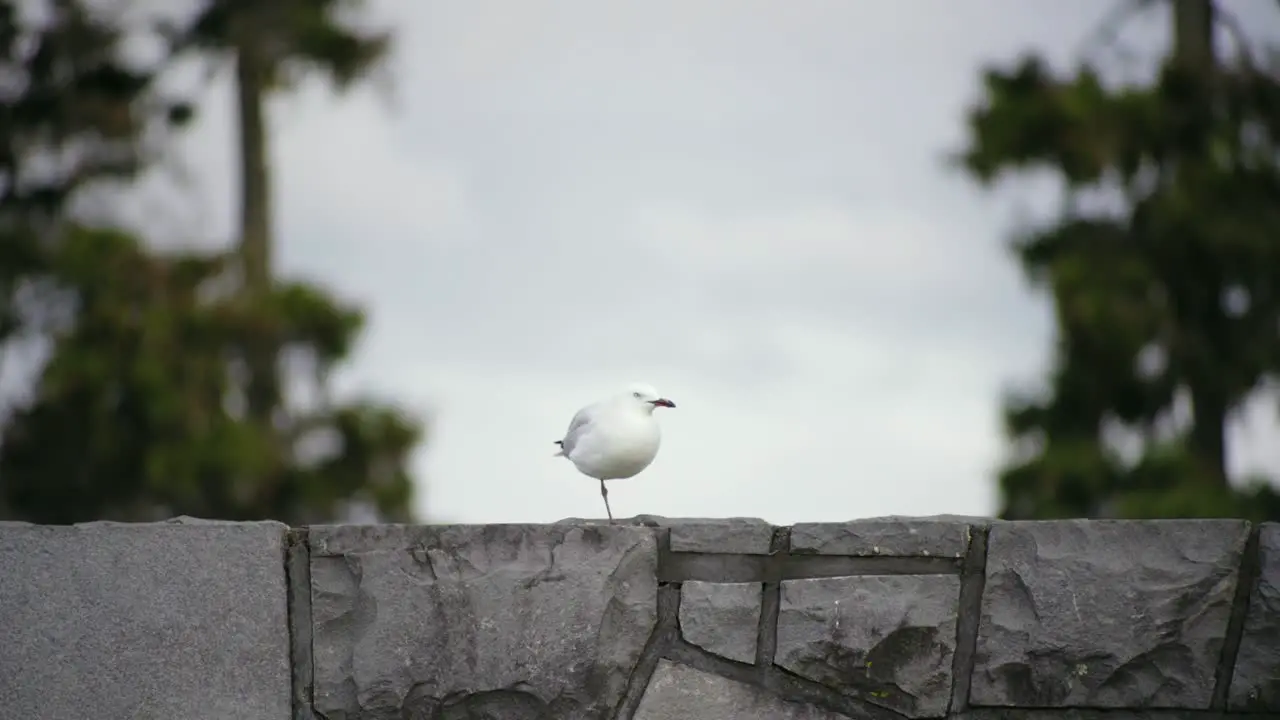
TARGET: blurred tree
(140,413)
(71,114)
(271,46)
(142,409)
(1168,309)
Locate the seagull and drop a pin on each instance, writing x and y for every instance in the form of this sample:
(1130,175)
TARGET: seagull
(615,438)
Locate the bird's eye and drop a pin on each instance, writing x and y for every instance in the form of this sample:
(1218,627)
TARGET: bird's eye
(635,395)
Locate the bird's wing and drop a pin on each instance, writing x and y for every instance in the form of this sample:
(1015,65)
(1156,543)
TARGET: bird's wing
(578,426)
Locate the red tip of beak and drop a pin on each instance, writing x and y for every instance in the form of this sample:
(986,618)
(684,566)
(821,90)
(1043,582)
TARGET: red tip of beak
(663,402)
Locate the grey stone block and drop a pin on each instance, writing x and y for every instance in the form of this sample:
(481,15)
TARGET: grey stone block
(886,638)
(679,692)
(1256,682)
(741,535)
(891,536)
(495,621)
(337,540)
(1105,613)
(1096,714)
(723,618)
(159,620)
(745,536)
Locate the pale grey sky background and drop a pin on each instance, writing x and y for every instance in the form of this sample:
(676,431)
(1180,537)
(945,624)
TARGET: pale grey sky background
(741,202)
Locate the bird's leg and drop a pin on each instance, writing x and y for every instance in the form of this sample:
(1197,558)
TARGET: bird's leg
(604,493)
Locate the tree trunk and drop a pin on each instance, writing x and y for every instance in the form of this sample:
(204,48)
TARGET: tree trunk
(1209,434)
(1193,51)
(255,189)
(261,354)
(1193,34)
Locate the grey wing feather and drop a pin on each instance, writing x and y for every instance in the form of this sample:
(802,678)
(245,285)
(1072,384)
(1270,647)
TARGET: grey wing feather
(577,427)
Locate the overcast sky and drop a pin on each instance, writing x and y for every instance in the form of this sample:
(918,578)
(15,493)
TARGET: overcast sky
(741,202)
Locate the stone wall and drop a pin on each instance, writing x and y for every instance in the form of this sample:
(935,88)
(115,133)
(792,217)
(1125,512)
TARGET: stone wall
(654,619)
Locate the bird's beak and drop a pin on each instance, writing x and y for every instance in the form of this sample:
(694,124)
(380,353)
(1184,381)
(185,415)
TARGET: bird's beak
(663,402)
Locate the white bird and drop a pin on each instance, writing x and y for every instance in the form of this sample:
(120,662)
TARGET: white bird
(615,438)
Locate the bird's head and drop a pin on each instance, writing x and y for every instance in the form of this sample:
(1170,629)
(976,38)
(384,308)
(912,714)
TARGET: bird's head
(647,397)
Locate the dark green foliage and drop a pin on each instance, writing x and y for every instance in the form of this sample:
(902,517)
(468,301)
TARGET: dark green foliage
(291,37)
(136,413)
(140,410)
(64,89)
(1172,302)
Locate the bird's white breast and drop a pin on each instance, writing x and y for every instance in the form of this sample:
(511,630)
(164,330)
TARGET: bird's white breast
(619,446)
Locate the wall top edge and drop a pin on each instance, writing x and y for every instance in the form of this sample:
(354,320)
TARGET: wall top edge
(653,521)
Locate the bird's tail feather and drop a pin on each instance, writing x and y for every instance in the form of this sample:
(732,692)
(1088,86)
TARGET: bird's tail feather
(560,452)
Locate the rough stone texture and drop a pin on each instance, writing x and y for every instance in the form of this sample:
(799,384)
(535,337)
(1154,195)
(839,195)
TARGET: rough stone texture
(722,618)
(745,536)
(181,619)
(1080,620)
(892,536)
(1256,684)
(886,638)
(1105,613)
(509,621)
(678,692)
(1095,714)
